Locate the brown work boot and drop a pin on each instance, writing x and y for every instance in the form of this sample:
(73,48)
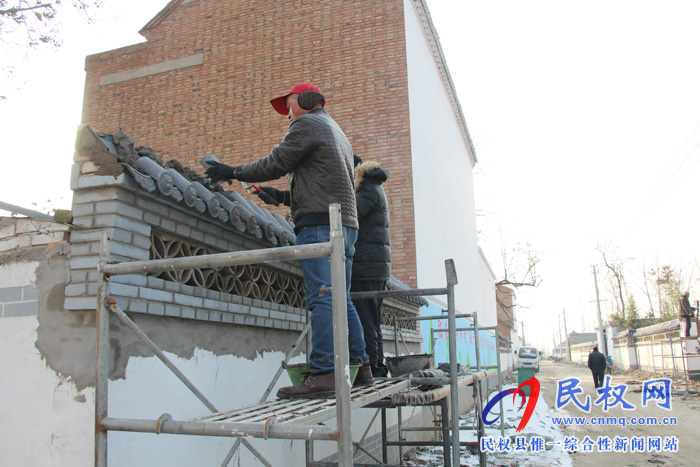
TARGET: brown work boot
(321,386)
(364,375)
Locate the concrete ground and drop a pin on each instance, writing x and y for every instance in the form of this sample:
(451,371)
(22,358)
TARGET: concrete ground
(685,408)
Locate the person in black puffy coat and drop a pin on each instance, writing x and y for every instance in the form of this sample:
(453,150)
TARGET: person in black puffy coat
(371,267)
(597,365)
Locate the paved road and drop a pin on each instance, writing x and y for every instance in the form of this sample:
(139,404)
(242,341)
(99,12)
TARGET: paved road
(686,412)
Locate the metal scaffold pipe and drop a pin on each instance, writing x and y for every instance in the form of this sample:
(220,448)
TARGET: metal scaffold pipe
(477,392)
(102,349)
(340,337)
(285,253)
(199,428)
(451,273)
(398,293)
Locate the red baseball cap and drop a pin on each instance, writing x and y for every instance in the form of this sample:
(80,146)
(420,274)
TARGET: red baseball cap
(280,103)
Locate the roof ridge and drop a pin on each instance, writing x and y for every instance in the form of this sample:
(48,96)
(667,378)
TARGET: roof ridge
(433,43)
(161,15)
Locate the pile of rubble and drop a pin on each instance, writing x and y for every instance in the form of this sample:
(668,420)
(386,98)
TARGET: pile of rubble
(680,386)
(634,378)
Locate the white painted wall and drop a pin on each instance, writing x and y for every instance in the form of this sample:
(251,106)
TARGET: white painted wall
(625,357)
(150,390)
(44,419)
(52,423)
(507,362)
(443,187)
(18,274)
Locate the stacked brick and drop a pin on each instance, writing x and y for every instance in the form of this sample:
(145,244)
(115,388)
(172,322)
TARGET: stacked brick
(202,82)
(25,241)
(18,233)
(114,204)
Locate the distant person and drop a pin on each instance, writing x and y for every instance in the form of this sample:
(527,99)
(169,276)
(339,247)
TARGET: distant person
(371,266)
(685,313)
(597,365)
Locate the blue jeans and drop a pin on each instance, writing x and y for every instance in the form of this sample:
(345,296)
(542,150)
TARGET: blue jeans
(317,273)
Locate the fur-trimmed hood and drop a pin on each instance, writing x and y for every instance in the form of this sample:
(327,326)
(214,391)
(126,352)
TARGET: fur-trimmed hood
(371,170)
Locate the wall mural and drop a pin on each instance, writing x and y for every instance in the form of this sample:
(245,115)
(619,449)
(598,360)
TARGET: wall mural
(466,341)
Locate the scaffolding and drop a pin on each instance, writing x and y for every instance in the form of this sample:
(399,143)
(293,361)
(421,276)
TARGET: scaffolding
(675,369)
(282,419)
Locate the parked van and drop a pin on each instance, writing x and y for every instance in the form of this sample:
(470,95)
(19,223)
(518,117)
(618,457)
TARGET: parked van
(528,357)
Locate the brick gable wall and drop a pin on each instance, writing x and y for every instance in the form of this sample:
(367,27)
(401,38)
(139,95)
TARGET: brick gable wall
(505,310)
(238,55)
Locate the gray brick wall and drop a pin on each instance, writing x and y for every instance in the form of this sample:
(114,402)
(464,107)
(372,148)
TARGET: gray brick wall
(19,301)
(129,214)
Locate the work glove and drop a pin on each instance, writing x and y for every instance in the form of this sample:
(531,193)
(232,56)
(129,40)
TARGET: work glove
(220,172)
(267,192)
(265,196)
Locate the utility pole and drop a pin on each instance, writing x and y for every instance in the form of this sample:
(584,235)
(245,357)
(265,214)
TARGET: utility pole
(661,309)
(522,327)
(566,333)
(601,337)
(561,342)
(554,341)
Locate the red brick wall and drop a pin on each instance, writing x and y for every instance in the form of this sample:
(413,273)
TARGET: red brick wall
(505,310)
(354,50)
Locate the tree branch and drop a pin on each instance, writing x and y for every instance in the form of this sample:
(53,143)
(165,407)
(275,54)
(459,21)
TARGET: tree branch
(15,10)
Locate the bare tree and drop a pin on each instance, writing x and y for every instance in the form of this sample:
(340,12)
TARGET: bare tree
(615,268)
(31,23)
(520,267)
(26,25)
(647,292)
(519,270)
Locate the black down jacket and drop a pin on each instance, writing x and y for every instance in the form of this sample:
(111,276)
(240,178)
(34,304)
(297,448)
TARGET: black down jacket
(372,260)
(596,361)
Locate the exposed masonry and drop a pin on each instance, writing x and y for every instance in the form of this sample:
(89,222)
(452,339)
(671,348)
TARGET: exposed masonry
(25,240)
(19,232)
(155,210)
(19,301)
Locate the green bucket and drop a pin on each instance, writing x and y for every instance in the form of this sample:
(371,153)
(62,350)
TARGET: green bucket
(298,371)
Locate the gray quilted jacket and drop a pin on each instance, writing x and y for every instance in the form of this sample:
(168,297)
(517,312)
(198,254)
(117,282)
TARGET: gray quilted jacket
(318,158)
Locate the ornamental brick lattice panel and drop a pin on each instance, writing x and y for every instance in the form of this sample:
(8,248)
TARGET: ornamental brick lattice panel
(252,281)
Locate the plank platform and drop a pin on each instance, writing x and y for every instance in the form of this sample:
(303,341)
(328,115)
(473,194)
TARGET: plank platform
(306,411)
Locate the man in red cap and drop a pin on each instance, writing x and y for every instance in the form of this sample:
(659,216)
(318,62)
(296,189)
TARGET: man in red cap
(318,158)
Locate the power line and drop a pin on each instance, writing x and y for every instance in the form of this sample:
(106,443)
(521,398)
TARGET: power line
(658,193)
